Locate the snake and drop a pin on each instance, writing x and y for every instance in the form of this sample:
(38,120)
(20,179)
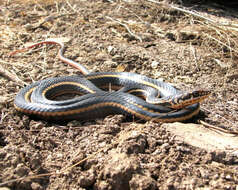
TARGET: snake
(99,94)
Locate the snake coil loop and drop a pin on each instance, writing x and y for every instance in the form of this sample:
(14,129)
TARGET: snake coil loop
(130,94)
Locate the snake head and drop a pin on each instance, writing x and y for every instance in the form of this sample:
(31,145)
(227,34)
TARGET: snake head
(188,98)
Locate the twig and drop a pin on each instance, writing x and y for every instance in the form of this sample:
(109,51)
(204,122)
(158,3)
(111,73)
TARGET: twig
(127,28)
(194,55)
(218,129)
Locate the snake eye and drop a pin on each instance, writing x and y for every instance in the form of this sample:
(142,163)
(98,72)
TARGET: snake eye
(196,93)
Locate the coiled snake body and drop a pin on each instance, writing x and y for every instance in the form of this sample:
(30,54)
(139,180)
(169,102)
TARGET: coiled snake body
(129,94)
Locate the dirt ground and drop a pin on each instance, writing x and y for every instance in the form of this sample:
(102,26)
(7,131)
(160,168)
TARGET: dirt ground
(117,152)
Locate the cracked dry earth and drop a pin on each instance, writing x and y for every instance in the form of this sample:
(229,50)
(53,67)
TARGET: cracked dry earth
(116,152)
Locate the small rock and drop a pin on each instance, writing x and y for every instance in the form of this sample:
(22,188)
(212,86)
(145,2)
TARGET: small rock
(140,182)
(36,160)
(158,151)
(22,170)
(89,163)
(182,149)
(87,179)
(154,64)
(204,174)
(110,49)
(101,56)
(36,186)
(165,146)
(114,120)
(119,169)
(133,143)
(228,177)
(216,176)
(101,185)
(110,63)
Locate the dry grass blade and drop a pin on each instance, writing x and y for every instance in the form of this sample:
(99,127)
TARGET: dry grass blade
(232,26)
(218,128)
(13,77)
(127,28)
(210,25)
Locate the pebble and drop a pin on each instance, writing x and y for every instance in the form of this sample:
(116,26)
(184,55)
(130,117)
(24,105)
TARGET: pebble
(154,64)
(165,146)
(228,177)
(109,49)
(21,170)
(87,179)
(36,186)
(142,182)
(158,151)
(182,149)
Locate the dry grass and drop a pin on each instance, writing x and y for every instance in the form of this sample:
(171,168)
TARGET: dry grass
(219,38)
(215,32)
(217,35)
(42,2)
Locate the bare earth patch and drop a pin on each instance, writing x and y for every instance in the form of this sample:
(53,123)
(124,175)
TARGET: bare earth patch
(190,47)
